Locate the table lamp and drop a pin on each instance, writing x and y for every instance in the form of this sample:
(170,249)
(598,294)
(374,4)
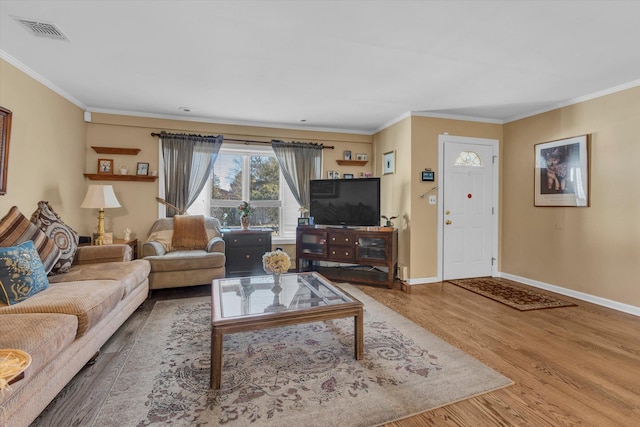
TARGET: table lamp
(100,197)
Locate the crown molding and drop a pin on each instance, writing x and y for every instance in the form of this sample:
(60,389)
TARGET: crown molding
(37,77)
(200,119)
(456,117)
(578,100)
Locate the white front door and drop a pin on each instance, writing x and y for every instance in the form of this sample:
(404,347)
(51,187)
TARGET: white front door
(468,210)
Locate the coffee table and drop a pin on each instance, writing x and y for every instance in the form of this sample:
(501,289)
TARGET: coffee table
(252,303)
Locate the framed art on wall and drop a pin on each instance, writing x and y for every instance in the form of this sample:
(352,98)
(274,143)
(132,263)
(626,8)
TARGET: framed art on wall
(389,162)
(105,166)
(562,172)
(5,134)
(142,169)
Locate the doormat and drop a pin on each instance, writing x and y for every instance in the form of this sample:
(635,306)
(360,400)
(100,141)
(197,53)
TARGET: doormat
(511,293)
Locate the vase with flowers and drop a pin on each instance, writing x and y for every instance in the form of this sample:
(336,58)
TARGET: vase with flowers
(276,263)
(245,210)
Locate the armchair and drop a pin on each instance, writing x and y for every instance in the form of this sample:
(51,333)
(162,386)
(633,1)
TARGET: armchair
(185,250)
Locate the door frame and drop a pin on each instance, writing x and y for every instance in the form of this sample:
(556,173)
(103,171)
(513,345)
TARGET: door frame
(443,139)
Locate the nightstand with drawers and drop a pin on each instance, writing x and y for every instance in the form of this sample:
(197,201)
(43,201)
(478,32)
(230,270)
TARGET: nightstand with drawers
(244,250)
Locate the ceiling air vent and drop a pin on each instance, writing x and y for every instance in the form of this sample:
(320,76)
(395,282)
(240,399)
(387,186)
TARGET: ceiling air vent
(42,29)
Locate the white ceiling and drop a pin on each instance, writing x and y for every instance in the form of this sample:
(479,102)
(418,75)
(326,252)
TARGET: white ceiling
(339,65)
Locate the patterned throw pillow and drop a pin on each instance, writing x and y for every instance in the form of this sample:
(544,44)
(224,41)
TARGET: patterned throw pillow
(63,236)
(21,273)
(15,228)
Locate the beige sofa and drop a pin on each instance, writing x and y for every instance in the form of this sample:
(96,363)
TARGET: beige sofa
(65,325)
(172,267)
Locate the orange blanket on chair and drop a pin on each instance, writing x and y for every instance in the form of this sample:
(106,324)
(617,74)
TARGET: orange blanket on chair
(189,233)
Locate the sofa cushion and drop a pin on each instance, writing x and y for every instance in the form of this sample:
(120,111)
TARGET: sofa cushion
(129,274)
(42,335)
(21,273)
(90,301)
(15,228)
(186,260)
(62,235)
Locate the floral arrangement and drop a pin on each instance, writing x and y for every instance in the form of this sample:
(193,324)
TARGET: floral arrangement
(245,208)
(276,262)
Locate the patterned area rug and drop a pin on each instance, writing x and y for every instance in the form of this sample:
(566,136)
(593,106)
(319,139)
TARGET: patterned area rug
(294,375)
(511,293)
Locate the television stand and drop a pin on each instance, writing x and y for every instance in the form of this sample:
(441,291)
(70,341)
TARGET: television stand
(366,255)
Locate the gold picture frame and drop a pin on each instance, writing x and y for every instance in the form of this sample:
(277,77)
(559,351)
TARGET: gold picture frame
(389,163)
(5,135)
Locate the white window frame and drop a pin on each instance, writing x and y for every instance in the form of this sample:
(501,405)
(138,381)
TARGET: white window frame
(289,209)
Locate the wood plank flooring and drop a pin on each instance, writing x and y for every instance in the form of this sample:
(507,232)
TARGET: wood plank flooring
(572,366)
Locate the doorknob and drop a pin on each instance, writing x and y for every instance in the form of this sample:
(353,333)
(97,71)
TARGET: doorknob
(447,222)
(447,212)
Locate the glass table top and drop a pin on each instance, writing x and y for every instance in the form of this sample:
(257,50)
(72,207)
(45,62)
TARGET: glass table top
(257,295)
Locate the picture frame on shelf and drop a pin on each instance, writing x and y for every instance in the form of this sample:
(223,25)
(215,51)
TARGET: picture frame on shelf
(348,176)
(347,155)
(303,221)
(329,174)
(5,135)
(364,156)
(562,172)
(359,156)
(389,163)
(142,169)
(105,166)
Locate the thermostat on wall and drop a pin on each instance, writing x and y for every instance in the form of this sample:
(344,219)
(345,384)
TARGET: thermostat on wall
(428,176)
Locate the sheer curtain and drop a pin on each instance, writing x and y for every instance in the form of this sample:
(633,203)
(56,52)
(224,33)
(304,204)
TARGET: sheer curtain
(299,162)
(188,160)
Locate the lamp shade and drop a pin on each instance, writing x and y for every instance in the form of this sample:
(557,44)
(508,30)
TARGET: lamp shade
(100,197)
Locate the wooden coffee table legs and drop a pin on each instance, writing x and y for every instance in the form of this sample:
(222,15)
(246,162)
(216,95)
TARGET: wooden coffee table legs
(216,358)
(218,333)
(358,333)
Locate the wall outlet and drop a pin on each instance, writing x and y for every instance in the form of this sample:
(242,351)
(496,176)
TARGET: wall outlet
(432,200)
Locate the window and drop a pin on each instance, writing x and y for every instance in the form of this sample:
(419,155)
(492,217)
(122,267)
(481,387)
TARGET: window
(251,174)
(468,158)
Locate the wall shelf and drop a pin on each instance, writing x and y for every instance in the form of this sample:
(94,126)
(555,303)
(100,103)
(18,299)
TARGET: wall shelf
(112,177)
(116,150)
(352,162)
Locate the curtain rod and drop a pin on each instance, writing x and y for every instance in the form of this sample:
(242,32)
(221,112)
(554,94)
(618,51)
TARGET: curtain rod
(252,141)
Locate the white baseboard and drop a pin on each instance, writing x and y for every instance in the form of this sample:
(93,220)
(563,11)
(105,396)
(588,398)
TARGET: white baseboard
(422,281)
(626,308)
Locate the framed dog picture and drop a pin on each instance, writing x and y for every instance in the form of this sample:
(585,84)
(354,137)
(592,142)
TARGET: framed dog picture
(562,172)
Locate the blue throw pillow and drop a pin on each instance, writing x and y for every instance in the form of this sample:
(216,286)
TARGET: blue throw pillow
(22,273)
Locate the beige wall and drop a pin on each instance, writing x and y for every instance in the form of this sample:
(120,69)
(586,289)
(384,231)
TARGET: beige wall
(595,250)
(415,141)
(138,198)
(395,188)
(47,148)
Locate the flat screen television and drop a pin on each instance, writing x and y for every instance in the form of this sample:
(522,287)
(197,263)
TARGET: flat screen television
(345,202)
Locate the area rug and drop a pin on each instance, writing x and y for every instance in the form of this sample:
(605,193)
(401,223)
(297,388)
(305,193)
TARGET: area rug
(303,375)
(511,293)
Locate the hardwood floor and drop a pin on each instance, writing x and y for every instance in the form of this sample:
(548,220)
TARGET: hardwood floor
(571,366)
